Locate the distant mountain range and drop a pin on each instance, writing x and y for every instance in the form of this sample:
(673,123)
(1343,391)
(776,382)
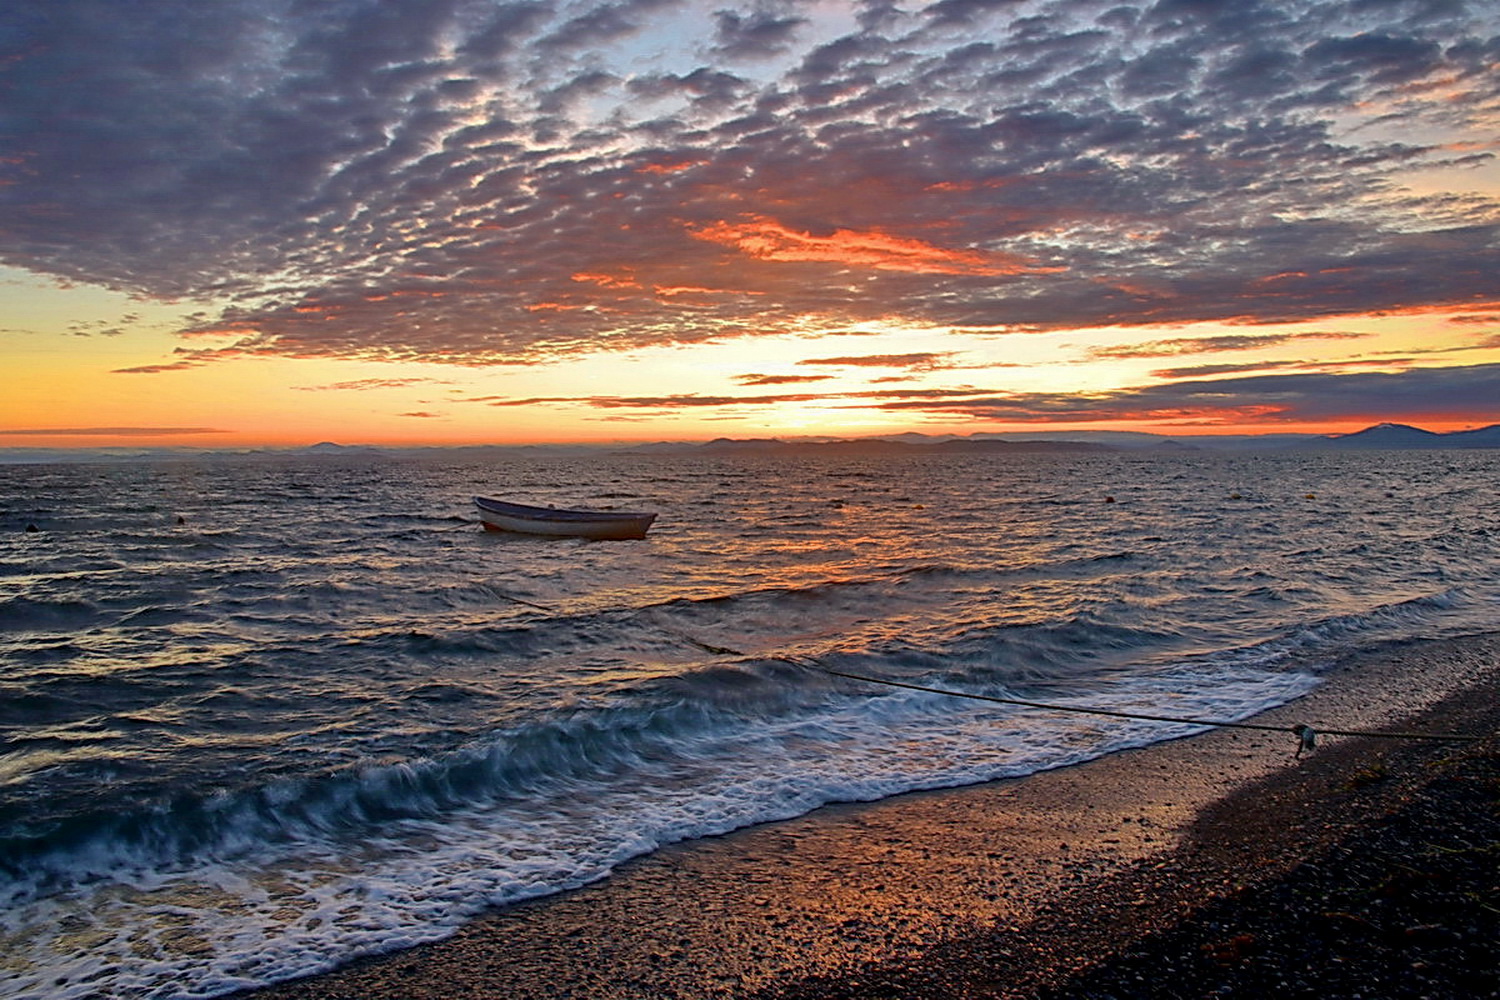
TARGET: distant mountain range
(1380,436)
(1404,436)
(882,446)
(1386,436)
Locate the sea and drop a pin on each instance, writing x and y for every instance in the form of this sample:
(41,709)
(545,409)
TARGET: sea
(261,716)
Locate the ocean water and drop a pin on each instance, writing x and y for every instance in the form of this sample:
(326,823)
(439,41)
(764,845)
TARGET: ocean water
(325,714)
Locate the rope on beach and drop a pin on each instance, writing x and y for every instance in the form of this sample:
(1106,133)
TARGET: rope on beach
(1306,735)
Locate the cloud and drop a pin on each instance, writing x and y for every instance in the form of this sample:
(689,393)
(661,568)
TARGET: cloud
(1480,319)
(966,12)
(100,328)
(170,366)
(1377,57)
(423,179)
(1212,345)
(106,431)
(1434,393)
(767,239)
(751,380)
(1193,371)
(920,360)
(682,401)
(753,35)
(1430,393)
(372,383)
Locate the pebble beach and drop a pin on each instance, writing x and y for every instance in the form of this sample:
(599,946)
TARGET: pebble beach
(1219,864)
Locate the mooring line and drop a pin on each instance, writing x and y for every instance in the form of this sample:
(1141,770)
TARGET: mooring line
(521,600)
(1297,730)
(1306,735)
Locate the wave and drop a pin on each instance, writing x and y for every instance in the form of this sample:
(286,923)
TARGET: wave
(23,614)
(657,721)
(320,735)
(652,719)
(1336,635)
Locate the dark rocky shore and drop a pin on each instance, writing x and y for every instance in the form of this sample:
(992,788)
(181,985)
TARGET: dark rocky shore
(1406,907)
(1374,874)
(1215,866)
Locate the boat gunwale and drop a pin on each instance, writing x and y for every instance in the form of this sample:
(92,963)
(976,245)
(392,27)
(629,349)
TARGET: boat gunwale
(506,508)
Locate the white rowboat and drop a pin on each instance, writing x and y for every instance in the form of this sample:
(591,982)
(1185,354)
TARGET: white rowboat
(499,515)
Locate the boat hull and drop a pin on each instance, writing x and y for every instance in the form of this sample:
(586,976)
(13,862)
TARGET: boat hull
(549,522)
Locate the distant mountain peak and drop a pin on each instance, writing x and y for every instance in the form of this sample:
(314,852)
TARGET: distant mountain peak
(1389,425)
(1393,435)
(348,450)
(723,442)
(1389,429)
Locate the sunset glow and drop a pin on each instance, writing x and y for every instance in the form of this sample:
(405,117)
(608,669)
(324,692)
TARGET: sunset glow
(403,222)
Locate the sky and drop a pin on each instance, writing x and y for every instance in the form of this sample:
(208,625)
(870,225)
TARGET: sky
(256,223)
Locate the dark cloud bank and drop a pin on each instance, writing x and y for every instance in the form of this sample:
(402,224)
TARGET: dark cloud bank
(488,181)
(1433,394)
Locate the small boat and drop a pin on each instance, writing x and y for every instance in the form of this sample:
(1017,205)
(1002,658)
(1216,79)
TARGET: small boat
(499,515)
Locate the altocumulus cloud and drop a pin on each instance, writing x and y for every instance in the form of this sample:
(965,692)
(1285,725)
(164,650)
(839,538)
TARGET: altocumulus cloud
(477,181)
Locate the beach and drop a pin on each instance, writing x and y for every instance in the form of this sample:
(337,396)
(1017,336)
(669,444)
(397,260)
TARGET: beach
(1047,885)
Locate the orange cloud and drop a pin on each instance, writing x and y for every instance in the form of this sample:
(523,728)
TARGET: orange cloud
(668,168)
(1425,309)
(667,291)
(174,366)
(628,280)
(767,239)
(607,280)
(1271,279)
(964,187)
(1471,147)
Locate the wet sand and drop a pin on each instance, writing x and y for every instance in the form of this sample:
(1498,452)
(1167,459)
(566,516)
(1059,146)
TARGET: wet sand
(1015,888)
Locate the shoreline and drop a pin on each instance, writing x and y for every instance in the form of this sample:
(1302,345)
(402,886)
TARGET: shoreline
(1002,889)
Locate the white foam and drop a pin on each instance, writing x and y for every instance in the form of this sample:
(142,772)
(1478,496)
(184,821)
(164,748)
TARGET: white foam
(217,926)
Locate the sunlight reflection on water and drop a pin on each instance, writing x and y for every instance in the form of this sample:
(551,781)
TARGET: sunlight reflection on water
(321,652)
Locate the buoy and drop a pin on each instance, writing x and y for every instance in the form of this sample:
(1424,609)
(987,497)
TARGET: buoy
(1109,499)
(1234,496)
(32,527)
(1310,496)
(181,519)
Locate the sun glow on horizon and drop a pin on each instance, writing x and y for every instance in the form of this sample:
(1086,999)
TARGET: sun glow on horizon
(867,380)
